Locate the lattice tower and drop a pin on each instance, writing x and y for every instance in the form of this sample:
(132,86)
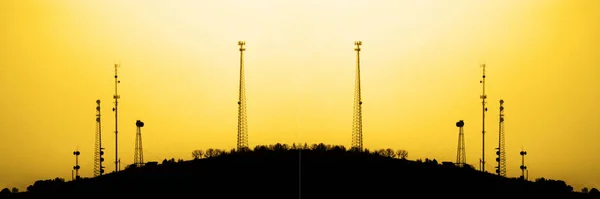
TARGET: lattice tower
(242,135)
(138,157)
(461,156)
(501,170)
(98,143)
(357,134)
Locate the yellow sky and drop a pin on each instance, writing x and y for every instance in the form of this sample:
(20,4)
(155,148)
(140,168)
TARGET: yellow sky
(180,62)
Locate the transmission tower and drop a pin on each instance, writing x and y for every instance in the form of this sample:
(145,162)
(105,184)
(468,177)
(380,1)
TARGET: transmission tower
(242,135)
(138,157)
(523,167)
(483,110)
(76,167)
(115,109)
(461,156)
(98,150)
(357,136)
(501,159)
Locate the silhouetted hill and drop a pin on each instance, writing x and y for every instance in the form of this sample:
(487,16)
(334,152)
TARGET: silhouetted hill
(319,171)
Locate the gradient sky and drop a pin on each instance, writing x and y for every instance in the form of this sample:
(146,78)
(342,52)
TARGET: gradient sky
(420,68)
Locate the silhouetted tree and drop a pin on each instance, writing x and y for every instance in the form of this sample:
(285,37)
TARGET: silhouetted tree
(280,147)
(260,148)
(584,190)
(131,166)
(50,185)
(402,154)
(221,152)
(320,147)
(211,153)
(5,192)
(387,153)
(168,161)
(376,152)
(594,192)
(557,185)
(338,148)
(15,190)
(353,149)
(541,179)
(197,154)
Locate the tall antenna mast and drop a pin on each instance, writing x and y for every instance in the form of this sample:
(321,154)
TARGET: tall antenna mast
(242,136)
(483,110)
(76,167)
(501,159)
(523,167)
(461,156)
(357,136)
(116,110)
(138,157)
(98,150)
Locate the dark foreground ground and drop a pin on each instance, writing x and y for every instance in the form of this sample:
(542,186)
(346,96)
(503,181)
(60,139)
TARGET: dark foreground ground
(311,172)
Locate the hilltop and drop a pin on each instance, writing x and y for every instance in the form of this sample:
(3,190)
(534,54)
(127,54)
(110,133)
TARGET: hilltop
(316,171)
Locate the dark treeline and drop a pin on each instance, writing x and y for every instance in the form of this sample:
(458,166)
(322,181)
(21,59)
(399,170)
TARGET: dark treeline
(302,171)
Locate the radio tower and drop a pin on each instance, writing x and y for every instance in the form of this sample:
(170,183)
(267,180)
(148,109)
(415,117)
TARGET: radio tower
(242,136)
(138,157)
(501,159)
(461,156)
(357,137)
(76,167)
(115,109)
(523,167)
(98,150)
(483,110)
